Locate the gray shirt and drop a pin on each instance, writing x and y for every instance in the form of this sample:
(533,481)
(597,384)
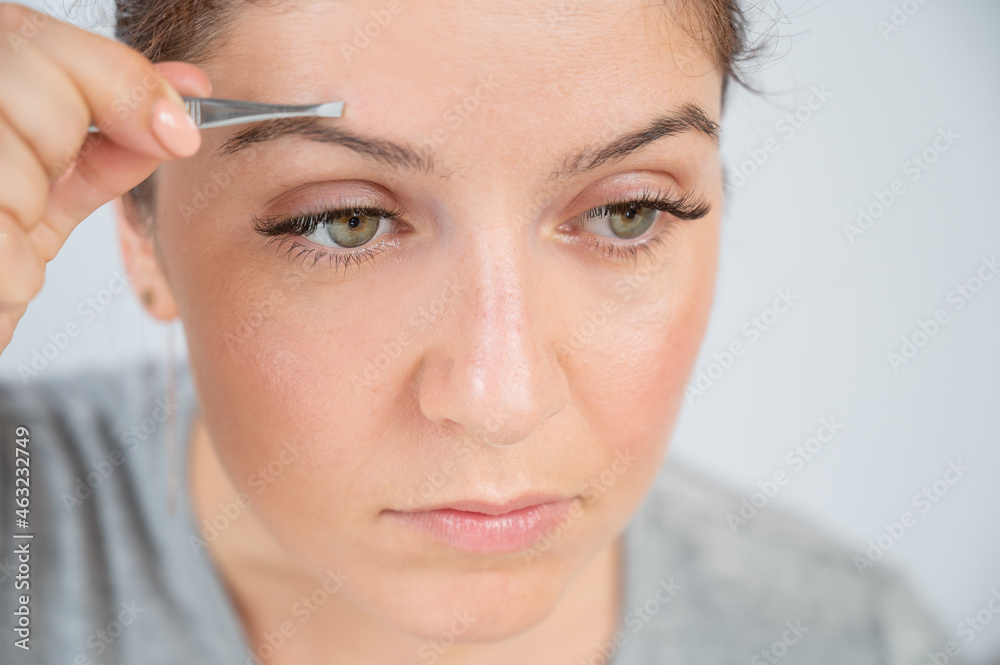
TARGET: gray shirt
(114,578)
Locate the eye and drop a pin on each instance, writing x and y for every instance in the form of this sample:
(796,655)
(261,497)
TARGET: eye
(630,218)
(351,228)
(346,228)
(629,223)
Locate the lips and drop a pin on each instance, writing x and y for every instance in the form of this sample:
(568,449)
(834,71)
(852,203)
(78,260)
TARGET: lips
(483,527)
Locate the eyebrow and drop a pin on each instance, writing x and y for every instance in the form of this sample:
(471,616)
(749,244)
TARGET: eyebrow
(688,117)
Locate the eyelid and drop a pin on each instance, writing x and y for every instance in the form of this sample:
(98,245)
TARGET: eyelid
(327,204)
(321,195)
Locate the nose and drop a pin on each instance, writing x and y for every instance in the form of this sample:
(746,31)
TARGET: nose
(490,370)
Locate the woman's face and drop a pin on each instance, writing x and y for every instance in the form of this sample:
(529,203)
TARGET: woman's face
(504,341)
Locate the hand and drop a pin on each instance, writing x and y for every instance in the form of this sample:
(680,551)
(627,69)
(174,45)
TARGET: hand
(55,79)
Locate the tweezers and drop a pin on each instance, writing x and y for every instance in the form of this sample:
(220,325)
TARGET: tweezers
(208,112)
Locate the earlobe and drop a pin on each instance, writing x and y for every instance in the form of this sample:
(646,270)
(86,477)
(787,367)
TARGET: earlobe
(148,279)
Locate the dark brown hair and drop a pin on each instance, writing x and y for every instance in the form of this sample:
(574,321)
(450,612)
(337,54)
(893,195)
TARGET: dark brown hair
(192,30)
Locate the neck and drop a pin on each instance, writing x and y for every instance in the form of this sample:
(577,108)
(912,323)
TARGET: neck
(264,582)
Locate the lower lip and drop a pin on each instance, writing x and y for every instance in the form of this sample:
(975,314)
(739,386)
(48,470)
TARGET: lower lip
(515,531)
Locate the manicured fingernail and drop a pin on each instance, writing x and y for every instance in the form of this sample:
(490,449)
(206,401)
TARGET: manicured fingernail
(171,92)
(175,129)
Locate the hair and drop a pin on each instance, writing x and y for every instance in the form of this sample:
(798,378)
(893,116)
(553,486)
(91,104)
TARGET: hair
(193,31)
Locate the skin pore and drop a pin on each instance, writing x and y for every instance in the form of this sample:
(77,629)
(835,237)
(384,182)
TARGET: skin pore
(487,351)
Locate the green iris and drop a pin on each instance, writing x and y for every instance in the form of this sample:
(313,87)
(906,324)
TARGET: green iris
(352,230)
(633,222)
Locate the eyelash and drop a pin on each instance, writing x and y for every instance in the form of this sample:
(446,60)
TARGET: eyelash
(685,208)
(291,228)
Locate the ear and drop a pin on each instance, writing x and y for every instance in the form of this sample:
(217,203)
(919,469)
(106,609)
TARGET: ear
(142,264)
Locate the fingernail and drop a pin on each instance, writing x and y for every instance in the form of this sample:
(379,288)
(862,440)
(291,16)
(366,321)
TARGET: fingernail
(175,129)
(171,92)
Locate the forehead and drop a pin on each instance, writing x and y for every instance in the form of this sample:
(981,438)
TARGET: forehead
(460,75)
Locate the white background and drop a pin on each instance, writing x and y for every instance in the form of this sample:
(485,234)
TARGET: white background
(784,229)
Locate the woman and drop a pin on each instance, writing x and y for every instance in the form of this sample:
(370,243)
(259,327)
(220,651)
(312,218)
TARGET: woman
(437,347)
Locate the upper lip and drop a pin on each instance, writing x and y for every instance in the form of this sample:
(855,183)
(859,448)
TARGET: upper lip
(491,507)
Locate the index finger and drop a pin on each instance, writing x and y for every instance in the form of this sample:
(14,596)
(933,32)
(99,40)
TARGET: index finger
(118,84)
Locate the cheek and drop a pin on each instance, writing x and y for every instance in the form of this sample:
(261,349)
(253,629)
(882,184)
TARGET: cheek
(279,393)
(272,371)
(632,357)
(286,368)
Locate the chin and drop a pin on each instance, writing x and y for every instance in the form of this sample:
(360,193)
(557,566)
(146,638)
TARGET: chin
(465,606)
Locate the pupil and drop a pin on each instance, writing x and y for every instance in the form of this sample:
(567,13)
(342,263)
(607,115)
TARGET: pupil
(354,222)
